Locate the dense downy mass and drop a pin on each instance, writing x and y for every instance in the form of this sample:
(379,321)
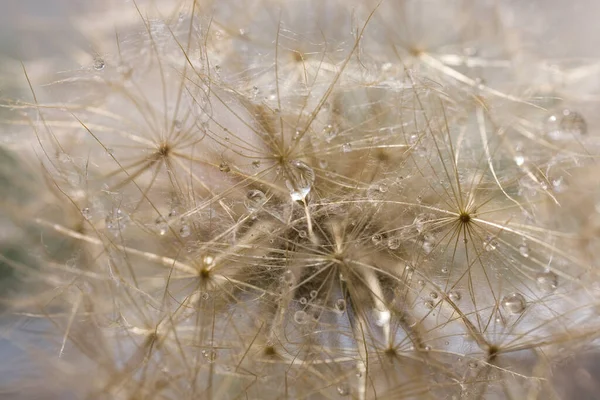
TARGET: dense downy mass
(305,199)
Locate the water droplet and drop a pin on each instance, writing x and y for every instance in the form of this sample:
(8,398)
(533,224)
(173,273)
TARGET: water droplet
(301,317)
(302,234)
(288,277)
(256,164)
(524,250)
(519,159)
(472,364)
(444,270)
(313,294)
(429,304)
(208,260)
(329,132)
(572,123)
(185,230)
(99,64)
(209,355)
(300,180)
(490,244)
(514,303)
(376,239)
(303,300)
(454,296)
(547,281)
(393,243)
(340,305)
(255,199)
(116,221)
(346,148)
(161,226)
(433,295)
(205,295)
(343,390)
(86,213)
(224,167)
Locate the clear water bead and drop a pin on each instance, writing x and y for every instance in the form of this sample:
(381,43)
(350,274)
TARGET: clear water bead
(524,250)
(546,281)
(300,179)
(161,226)
(346,148)
(454,296)
(340,305)
(572,123)
(393,243)
(301,317)
(99,64)
(514,303)
(490,244)
(185,230)
(224,167)
(343,390)
(255,199)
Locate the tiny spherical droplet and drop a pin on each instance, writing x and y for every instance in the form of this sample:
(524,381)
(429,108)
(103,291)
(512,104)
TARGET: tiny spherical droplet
(313,294)
(490,244)
(208,260)
(524,250)
(99,64)
(433,295)
(303,300)
(454,296)
(302,234)
(376,239)
(340,305)
(301,317)
(393,243)
(547,281)
(429,304)
(185,230)
(343,390)
(519,159)
(209,355)
(288,276)
(572,123)
(86,213)
(255,199)
(346,148)
(329,132)
(514,303)
(161,226)
(224,167)
(300,179)
(444,270)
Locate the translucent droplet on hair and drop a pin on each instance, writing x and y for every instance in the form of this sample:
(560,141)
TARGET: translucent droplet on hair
(255,199)
(301,317)
(572,123)
(547,281)
(99,64)
(340,305)
(514,303)
(300,179)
